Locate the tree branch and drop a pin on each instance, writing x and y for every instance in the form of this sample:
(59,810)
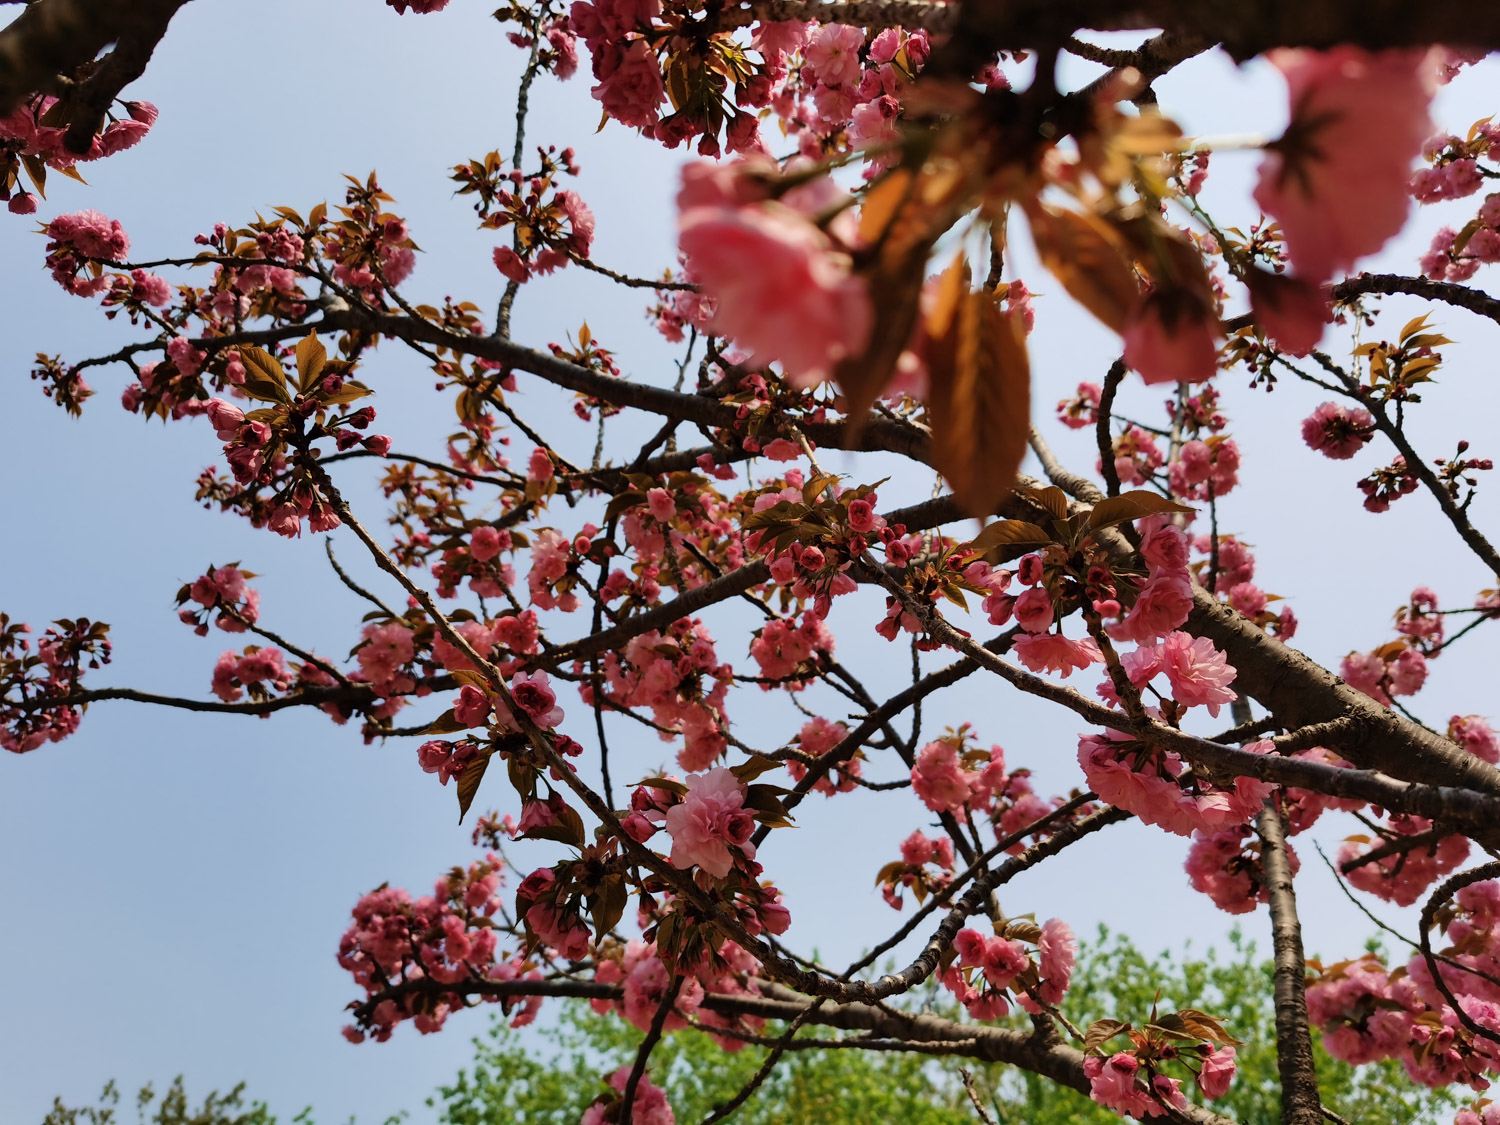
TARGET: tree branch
(1294,1058)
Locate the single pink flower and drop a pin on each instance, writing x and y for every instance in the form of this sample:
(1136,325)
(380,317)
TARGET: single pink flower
(1171,342)
(709,821)
(782,289)
(1336,182)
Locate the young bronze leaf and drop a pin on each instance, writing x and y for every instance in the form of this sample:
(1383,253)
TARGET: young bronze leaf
(747,771)
(1054,499)
(1092,261)
(311,356)
(444,724)
(979,402)
(467,783)
(1102,1031)
(473,679)
(1023,929)
(1132,506)
(1205,1026)
(669,784)
(608,904)
(1009,533)
(879,206)
(895,286)
(936,197)
(260,362)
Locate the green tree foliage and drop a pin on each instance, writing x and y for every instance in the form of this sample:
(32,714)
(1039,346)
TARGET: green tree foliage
(549,1075)
(172,1108)
(511,1082)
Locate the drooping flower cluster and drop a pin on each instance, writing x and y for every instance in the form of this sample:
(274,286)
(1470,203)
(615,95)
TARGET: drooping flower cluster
(396,944)
(1148,782)
(222,589)
(988,973)
(31,139)
(29,679)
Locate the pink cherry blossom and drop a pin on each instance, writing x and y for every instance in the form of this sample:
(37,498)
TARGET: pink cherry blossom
(631,87)
(1338,431)
(1337,181)
(782,288)
(534,695)
(710,820)
(1053,652)
(1170,344)
(833,52)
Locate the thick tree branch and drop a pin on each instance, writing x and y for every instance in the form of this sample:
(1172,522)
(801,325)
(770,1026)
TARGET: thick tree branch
(51,39)
(1294,1057)
(890,1028)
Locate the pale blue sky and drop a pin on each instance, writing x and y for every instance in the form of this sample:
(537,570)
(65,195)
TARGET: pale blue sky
(177,883)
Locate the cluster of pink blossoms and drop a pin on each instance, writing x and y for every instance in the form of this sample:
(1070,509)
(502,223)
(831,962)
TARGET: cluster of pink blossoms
(1146,782)
(817,737)
(711,826)
(1121,1082)
(648,1107)
(947,777)
(1338,431)
(53,670)
(1081,411)
(77,244)
(261,670)
(1039,648)
(1405,876)
(785,648)
(223,589)
(1226,866)
(1367,1012)
(446,937)
(678,675)
(989,972)
(24,137)
(918,852)
(1454,172)
(644,979)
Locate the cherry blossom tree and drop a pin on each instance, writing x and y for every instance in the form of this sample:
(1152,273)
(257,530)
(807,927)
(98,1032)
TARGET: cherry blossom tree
(845,280)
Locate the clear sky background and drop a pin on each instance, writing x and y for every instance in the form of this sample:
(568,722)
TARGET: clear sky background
(175,884)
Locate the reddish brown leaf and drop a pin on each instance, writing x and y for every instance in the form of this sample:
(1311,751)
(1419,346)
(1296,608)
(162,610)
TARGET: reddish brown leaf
(1090,259)
(979,402)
